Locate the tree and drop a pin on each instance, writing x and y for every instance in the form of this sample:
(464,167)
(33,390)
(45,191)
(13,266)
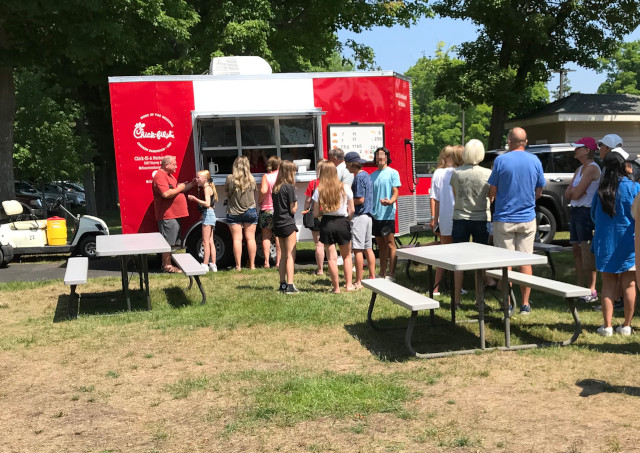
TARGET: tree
(47,147)
(82,43)
(521,41)
(438,121)
(623,70)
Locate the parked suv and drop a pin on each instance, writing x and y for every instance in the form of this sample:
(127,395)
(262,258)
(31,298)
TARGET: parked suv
(558,165)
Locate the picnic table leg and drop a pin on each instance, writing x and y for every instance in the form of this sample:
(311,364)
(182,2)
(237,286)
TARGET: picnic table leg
(505,307)
(409,334)
(145,272)
(551,265)
(204,295)
(480,304)
(140,266)
(452,286)
(578,329)
(72,307)
(125,280)
(370,311)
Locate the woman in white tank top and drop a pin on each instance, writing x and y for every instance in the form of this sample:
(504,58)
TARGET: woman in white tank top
(580,192)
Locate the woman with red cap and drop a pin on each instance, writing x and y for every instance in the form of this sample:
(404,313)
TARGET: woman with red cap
(580,192)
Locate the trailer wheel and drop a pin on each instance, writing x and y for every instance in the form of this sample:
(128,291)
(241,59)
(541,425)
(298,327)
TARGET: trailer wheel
(222,241)
(224,247)
(87,247)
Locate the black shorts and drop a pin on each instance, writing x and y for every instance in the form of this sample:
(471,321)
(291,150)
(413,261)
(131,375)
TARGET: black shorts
(285,231)
(335,230)
(383,227)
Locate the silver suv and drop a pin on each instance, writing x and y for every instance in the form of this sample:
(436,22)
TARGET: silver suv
(558,165)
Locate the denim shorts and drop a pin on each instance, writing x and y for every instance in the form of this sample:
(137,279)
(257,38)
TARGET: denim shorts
(250,216)
(209,217)
(581,226)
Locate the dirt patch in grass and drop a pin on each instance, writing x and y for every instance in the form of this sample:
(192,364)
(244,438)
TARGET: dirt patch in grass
(98,385)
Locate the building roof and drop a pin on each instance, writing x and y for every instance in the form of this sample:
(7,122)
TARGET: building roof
(584,107)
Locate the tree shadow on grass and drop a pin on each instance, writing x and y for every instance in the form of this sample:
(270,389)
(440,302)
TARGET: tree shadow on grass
(591,387)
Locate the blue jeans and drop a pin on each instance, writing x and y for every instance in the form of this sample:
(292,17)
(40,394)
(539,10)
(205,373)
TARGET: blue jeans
(464,229)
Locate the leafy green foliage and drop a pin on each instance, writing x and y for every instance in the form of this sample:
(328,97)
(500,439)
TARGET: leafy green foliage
(623,70)
(519,42)
(438,120)
(47,146)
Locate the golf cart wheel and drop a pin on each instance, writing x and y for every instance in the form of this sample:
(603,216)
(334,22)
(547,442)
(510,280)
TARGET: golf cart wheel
(87,247)
(6,255)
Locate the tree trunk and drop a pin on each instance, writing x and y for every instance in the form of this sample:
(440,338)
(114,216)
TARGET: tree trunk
(498,117)
(7,115)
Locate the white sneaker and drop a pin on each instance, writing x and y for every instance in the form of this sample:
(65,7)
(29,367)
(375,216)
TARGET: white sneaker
(605,331)
(340,261)
(205,267)
(624,330)
(391,279)
(463,291)
(213,267)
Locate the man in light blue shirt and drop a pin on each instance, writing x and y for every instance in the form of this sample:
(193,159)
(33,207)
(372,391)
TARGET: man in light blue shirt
(516,183)
(386,184)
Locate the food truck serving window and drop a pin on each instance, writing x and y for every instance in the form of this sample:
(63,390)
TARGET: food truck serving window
(221,140)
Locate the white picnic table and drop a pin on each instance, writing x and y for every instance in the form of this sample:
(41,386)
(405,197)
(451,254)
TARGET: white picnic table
(469,256)
(136,246)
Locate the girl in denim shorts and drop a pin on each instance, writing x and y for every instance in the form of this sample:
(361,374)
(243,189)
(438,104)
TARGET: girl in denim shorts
(208,218)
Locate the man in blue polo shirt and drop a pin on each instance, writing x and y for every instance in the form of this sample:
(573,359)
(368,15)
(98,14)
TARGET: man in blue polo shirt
(515,183)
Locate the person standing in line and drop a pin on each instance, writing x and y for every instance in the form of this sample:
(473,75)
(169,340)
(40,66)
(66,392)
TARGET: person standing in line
(441,193)
(315,230)
(241,210)
(285,205)
(580,192)
(471,213)
(170,205)
(208,218)
(516,183)
(336,155)
(361,223)
(607,143)
(265,219)
(613,239)
(333,201)
(386,187)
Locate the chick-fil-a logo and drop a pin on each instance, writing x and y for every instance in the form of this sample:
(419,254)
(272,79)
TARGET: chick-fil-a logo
(154,132)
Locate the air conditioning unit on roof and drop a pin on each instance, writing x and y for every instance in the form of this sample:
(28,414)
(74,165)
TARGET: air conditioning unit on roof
(239,66)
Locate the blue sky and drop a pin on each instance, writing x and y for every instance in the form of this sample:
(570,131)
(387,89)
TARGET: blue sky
(398,48)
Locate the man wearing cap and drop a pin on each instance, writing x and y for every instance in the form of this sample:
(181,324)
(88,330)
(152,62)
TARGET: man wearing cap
(515,183)
(607,143)
(580,192)
(361,237)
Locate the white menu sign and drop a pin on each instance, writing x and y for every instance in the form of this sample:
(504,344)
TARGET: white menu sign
(361,138)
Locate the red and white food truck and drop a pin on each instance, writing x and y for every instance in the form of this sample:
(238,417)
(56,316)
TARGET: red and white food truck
(206,121)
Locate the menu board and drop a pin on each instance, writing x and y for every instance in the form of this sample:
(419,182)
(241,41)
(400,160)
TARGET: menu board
(361,138)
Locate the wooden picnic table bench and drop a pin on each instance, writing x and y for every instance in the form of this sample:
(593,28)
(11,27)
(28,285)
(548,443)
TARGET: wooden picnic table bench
(192,269)
(404,297)
(74,275)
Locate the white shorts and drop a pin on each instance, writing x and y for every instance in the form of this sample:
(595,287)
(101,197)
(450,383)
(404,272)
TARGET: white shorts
(361,238)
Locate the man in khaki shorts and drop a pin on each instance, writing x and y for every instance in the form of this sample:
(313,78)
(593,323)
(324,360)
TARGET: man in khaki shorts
(515,183)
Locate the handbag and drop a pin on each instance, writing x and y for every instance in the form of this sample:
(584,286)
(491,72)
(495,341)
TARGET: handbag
(307,219)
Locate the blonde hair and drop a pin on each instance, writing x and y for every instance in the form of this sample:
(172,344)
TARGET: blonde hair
(273,163)
(330,188)
(456,157)
(241,174)
(445,152)
(286,175)
(473,152)
(207,177)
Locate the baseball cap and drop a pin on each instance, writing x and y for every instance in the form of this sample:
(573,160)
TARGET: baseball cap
(352,156)
(589,142)
(627,156)
(611,140)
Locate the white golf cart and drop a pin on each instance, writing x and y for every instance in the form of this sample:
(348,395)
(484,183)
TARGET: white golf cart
(29,237)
